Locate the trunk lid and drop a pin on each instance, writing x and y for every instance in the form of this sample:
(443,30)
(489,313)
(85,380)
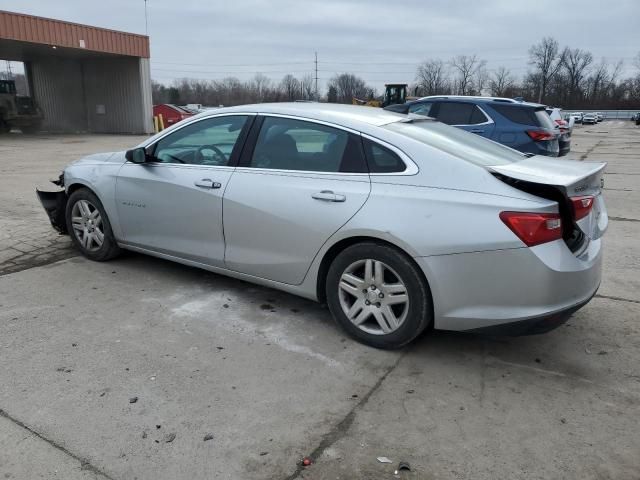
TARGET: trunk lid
(562,180)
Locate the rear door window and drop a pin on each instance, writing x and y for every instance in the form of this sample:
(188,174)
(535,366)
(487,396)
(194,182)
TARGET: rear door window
(288,144)
(454,113)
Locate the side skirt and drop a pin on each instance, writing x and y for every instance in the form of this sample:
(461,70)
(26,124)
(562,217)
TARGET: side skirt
(293,289)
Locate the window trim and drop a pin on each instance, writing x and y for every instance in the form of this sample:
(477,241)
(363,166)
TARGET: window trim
(249,143)
(250,146)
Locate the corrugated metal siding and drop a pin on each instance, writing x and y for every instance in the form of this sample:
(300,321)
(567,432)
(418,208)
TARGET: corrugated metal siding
(28,28)
(58,89)
(116,96)
(145,92)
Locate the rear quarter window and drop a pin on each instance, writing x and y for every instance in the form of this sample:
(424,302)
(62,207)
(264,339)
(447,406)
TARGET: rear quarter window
(382,160)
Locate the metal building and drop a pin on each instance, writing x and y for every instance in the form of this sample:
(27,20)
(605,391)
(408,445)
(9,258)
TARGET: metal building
(83,78)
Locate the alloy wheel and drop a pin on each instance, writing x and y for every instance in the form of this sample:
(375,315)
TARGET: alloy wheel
(87,225)
(373,296)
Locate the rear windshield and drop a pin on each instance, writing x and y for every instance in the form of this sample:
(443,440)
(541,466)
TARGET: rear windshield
(537,117)
(455,141)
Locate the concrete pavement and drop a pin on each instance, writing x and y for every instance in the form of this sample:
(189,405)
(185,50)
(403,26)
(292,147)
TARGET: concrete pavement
(271,379)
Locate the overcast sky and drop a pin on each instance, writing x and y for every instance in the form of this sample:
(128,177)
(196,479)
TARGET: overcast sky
(380,40)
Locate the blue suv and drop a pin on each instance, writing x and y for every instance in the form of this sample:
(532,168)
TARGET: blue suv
(520,125)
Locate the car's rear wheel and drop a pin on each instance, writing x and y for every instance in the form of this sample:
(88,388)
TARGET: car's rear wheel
(89,227)
(378,295)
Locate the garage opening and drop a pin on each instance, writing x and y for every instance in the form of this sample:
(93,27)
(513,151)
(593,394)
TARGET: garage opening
(73,78)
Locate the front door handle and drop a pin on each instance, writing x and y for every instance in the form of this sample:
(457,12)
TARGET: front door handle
(207,183)
(477,131)
(329,196)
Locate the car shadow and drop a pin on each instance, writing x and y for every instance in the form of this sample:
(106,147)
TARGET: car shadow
(546,352)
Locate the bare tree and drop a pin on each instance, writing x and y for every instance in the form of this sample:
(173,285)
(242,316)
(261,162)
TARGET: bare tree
(501,82)
(481,78)
(466,67)
(575,63)
(291,87)
(347,86)
(307,86)
(260,85)
(332,94)
(547,60)
(431,78)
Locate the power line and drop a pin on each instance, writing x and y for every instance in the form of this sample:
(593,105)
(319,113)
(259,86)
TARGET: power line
(231,64)
(225,72)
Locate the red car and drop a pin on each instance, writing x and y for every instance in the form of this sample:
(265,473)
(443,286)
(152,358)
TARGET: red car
(171,113)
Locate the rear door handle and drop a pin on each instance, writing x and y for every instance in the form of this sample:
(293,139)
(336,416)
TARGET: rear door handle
(329,196)
(207,183)
(477,131)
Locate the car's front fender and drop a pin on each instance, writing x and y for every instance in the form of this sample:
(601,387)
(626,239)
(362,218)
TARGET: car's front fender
(100,178)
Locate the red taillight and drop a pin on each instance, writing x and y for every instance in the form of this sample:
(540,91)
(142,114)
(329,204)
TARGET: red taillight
(582,206)
(562,125)
(533,228)
(540,135)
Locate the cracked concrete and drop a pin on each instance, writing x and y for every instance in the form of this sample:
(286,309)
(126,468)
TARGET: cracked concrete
(67,465)
(79,339)
(26,238)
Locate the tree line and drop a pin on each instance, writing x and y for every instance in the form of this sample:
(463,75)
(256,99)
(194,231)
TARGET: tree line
(231,91)
(567,77)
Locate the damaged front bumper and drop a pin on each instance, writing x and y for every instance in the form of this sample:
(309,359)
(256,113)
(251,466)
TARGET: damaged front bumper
(55,204)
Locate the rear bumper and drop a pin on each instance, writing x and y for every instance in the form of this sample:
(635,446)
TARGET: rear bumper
(55,204)
(532,326)
(496,290)
(565,147)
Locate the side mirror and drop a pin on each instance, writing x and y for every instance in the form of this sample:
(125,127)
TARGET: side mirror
(136,155)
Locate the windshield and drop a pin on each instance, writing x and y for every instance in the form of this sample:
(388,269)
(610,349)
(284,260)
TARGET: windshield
(467,146)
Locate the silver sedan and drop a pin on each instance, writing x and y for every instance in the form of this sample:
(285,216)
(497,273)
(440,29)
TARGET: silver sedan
(399,224)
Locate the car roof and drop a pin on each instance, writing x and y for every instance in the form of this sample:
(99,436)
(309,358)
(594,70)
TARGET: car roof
(483,100)
(471,97)
(350,116)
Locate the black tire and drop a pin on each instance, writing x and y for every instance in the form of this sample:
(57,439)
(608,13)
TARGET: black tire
(109,248)
(4,126)
(420,313)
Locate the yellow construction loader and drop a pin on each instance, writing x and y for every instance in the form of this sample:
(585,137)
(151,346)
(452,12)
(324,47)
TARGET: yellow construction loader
(394,93)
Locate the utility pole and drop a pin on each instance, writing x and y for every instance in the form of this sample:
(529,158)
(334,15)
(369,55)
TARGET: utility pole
(316,62)
(9,72)
(146,20)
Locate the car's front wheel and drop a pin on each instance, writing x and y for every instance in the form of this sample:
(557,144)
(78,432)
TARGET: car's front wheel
(89,227)
(378,295)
